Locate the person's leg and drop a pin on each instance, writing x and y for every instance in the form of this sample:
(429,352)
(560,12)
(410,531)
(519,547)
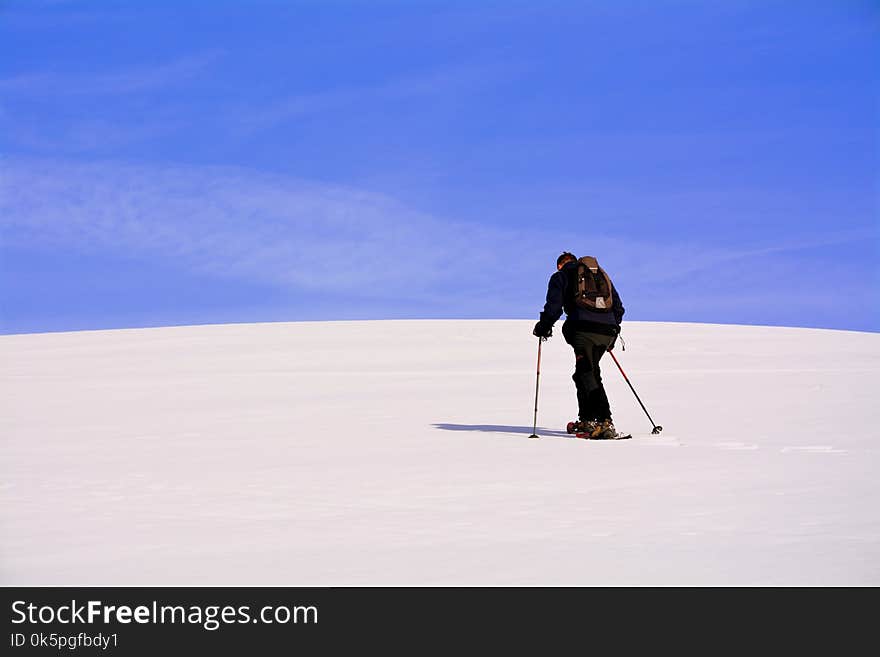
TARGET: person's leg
(572,337)
(584,377)
(598,401)
(581,383)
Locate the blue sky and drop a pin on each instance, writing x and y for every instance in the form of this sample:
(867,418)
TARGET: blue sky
(207,162)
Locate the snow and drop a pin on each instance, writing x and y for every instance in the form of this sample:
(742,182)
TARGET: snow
(397,453)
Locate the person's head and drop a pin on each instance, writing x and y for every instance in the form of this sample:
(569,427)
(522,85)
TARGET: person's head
(563,259)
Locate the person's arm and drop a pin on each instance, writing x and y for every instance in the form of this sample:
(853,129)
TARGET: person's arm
(553,306)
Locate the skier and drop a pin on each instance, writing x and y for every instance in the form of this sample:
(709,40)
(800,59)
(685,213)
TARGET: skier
(591,329)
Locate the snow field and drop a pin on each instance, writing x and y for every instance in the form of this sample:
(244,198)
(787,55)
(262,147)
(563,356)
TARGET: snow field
(396,452)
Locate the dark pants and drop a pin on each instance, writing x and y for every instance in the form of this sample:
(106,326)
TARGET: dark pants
(588,350)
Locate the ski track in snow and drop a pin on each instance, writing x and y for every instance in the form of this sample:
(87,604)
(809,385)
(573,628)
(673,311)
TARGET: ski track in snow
(397,452)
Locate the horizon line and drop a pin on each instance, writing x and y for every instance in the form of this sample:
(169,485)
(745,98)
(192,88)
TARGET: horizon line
(413,319)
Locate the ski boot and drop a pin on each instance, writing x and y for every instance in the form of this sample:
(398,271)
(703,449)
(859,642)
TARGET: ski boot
(606,431)
(585,428)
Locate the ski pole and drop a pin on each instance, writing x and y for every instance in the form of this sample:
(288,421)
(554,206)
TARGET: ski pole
(657,428)
(537,383)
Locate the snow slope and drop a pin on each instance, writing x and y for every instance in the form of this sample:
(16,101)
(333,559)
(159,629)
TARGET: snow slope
(396,453)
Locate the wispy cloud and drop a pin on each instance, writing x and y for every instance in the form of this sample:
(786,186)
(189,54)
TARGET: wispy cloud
(710,261)
(238,223)
(105,114)
(48,84)
(446,83)
(88,135)
(357,245)
(102,110)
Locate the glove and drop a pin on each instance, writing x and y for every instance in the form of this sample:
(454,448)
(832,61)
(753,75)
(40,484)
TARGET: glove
(542,330)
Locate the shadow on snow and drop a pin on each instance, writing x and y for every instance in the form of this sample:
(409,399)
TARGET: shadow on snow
(498,428)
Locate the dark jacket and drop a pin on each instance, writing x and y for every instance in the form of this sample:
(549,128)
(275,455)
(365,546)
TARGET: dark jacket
(561,297)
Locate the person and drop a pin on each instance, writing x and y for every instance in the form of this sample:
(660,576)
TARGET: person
(590,333)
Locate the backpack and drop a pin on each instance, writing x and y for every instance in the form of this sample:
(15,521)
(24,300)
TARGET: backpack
(592,289)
